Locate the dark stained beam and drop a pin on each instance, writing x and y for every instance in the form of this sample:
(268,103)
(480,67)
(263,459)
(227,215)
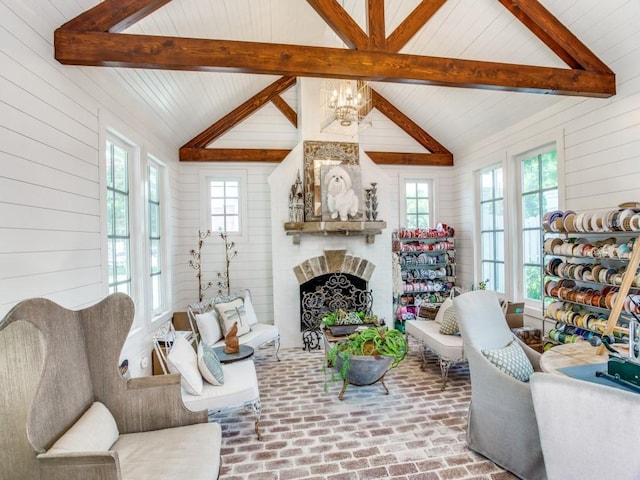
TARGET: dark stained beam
(172,53)
(231,155)
(241,112)
(286,110)
(341,22)
(375,24)
(555,35)
(114,15)
(410,25)
(408,125)
(414,159)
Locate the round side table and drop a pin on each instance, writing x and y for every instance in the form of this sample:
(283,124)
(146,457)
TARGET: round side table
(245,352)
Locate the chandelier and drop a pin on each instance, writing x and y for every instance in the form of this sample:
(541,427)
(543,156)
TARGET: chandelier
(343,105)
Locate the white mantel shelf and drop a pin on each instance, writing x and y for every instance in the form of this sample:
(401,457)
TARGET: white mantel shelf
(367,229)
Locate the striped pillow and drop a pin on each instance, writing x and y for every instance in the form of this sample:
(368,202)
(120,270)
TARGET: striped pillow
(209,365)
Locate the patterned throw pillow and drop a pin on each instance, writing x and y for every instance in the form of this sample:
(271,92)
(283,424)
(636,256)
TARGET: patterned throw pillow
(209,365)
(449,325)
(233,312)
(511,360)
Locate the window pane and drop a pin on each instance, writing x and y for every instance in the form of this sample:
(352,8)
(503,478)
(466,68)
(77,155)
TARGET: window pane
(217,223)
(531,246)
(499,284)
(549,200)
(154,220)
(156,293)
(486,186)
(411,189)
(498,193)
(486,216)
(423,205)
(412,221)
(232,189)
(217,206)
(217,189)
(530,175)
(549,165)
(423,189)
(533,282)
(121,181)
(531,211)
(412,206)
(499,241)
(499,218)
(488,246)
(155,256)
(423,221)
(233,223)
(232,206)
(488,272)
(153,184)
(121,215)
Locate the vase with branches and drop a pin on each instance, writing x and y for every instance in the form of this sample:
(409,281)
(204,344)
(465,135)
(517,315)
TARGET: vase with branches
(195,262)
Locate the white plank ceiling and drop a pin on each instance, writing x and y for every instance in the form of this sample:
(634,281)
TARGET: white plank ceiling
(185,103)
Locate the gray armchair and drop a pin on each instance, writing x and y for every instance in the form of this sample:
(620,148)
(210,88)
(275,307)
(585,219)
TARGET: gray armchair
(501,423)
(68,413)
(588,431)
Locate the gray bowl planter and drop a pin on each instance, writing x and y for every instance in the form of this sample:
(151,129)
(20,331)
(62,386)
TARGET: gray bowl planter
(364,370)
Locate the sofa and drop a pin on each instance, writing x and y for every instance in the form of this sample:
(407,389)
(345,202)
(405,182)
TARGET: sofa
(68,413)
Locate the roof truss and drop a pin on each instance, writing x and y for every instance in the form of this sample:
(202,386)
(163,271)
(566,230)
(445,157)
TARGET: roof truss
(93,39)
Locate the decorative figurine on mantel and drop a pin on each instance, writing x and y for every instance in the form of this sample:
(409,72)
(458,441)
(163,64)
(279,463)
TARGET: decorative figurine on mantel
(296,201)
(231,343)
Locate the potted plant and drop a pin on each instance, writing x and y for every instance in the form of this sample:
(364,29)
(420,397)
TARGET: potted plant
(343,322)
(364,357)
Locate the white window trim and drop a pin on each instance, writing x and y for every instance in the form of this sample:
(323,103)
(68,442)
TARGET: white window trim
(433,192)
(512,173)
(205,201)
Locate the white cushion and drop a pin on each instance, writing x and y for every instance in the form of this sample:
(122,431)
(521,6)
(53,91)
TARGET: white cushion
(95,431)
(252,318)
(209,365)
(240,387)
(231,313)
(448,347)
(260,334)
(190,452)
(209,327)
(182,359)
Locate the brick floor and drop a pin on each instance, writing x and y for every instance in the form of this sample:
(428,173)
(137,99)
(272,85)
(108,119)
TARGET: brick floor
(417,432)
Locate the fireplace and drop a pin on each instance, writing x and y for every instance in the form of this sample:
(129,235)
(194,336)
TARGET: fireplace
(330,282)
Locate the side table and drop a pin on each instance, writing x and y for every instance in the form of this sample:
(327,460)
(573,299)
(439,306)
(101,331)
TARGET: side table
(245,352)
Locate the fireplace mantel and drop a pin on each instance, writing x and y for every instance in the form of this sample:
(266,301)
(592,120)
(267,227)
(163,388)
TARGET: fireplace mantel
(367,229)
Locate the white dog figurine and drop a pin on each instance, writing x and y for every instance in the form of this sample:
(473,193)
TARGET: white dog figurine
(341,199)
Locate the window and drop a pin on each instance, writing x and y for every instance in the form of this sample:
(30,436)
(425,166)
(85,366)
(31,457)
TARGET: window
(225,205)
(155,235)
(539,194)
(417,203)
(118,232)
(492,247)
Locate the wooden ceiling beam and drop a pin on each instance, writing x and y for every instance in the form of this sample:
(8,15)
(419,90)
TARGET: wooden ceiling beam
(405,123)
(375,25)
(240,113)
(412,24)
(286,110)
(341,22)
(555,35)
(232,155)
(173,53)
(413,159)
(113,15)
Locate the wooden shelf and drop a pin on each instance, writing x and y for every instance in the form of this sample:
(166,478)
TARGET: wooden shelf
(367,229)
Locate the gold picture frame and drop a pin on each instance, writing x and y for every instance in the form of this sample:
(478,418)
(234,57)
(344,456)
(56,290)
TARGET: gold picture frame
(317,154)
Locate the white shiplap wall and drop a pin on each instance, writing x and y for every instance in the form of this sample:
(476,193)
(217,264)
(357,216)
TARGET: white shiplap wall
(601,139)
(51,116)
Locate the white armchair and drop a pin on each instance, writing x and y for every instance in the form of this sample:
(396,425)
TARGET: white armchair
(501,423)
(587,431)
(208,327)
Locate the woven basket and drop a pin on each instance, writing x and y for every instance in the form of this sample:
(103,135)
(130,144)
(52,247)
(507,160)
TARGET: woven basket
(428,312)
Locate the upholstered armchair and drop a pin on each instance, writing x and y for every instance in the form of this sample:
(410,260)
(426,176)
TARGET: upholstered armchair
(587,431)
(501,424)
(68,413)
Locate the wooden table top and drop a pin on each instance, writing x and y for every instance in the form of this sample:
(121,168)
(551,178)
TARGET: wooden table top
(570,355)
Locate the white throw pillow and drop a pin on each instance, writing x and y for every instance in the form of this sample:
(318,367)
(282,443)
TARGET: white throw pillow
(448,303)
(95,431)
(209,327)
(182,359)
(233,312)
(252,318)
(209,365)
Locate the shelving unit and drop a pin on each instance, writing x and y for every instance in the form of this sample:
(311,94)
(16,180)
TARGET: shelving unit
(426,259)
(584,275)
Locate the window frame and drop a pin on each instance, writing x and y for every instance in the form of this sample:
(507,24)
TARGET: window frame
(208,175)
(403,180)
(494,230)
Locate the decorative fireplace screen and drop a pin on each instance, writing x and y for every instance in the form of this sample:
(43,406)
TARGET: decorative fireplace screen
(336,292)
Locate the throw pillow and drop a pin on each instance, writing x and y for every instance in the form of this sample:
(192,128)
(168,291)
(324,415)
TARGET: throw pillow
(209,327)
(449,325)
(94,431)
(511,360)
(448,303)
(209,365)
(252,318)
(233,312)
(182,359)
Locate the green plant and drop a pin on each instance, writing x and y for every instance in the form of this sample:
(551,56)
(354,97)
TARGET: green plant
(371,341)
(344,317)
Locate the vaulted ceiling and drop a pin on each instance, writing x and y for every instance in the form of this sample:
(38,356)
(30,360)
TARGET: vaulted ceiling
(421,57)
